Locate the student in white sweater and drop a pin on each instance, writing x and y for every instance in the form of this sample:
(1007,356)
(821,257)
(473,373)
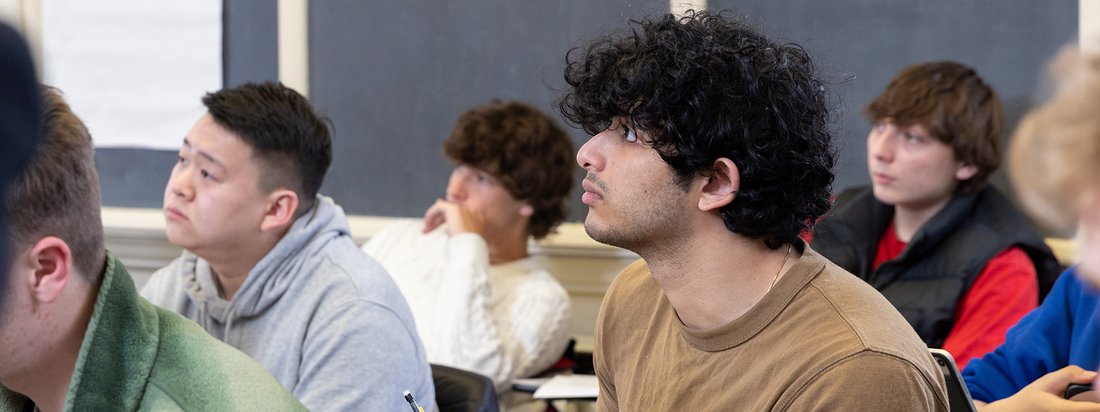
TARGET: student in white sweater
(480,301)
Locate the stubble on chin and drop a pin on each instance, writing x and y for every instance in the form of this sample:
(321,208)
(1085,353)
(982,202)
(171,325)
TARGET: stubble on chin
(600,234)
(620,236)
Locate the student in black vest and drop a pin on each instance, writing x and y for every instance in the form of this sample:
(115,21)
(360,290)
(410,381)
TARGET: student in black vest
(950,252)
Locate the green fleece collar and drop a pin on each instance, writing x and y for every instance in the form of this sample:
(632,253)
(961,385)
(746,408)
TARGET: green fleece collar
(117,354)
(119,347)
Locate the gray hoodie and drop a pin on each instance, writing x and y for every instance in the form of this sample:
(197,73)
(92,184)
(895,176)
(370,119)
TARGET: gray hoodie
(323,317)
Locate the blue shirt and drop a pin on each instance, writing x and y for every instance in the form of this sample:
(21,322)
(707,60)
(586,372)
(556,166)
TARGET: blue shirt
(1062,331)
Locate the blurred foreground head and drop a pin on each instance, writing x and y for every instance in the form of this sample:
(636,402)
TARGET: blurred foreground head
(1054,157)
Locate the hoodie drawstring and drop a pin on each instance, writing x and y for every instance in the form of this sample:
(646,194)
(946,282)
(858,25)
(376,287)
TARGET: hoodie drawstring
(228,326)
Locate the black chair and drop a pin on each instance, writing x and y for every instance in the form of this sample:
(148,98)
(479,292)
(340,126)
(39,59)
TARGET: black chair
(458,390)
(958,396)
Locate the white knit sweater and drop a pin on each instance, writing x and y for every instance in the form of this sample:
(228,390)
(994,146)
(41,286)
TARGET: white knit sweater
(504,321)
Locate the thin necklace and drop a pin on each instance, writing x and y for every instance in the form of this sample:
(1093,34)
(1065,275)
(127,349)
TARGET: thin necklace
(776,280)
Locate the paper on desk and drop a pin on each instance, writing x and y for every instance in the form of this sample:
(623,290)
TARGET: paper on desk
(569,387)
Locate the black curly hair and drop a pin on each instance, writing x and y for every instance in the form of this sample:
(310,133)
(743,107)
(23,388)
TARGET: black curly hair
(705,87)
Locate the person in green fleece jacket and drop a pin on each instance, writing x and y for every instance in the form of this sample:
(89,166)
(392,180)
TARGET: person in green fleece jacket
(74,333)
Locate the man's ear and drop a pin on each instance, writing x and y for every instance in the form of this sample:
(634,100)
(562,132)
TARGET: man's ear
(51,268)
(282,205)
(526,210)
(720,186)
(965,172)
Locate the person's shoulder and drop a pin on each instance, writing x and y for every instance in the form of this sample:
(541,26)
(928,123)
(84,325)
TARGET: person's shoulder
(854,300)
(869,317)
(399,230)
(837,284)
(855,330)
(871,380)
(536,285)
(996,217)
(180,340)
(990,196)
(347,279)
(996,211)
(195,371)
(401,234)
(1071,287)
(238,396)
(825,297)
(342,262)
(166,287)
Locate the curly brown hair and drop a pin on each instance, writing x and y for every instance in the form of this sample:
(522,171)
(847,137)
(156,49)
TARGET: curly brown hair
(522,148)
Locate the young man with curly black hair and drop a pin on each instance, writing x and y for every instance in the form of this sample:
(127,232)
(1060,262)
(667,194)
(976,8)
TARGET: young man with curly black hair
(481,302)
(711,154)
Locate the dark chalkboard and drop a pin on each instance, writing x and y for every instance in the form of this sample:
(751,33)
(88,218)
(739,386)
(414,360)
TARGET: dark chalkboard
(393,76)
(863,43)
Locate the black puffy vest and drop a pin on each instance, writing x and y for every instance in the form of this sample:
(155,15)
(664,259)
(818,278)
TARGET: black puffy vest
(939,264)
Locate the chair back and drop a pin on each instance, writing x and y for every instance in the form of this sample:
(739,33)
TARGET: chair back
(957,395)
(458,390)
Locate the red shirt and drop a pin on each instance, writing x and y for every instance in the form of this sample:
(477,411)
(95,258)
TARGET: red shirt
(1005,291)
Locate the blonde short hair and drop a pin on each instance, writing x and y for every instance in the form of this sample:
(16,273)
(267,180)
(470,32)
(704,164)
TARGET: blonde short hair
(1054,157)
